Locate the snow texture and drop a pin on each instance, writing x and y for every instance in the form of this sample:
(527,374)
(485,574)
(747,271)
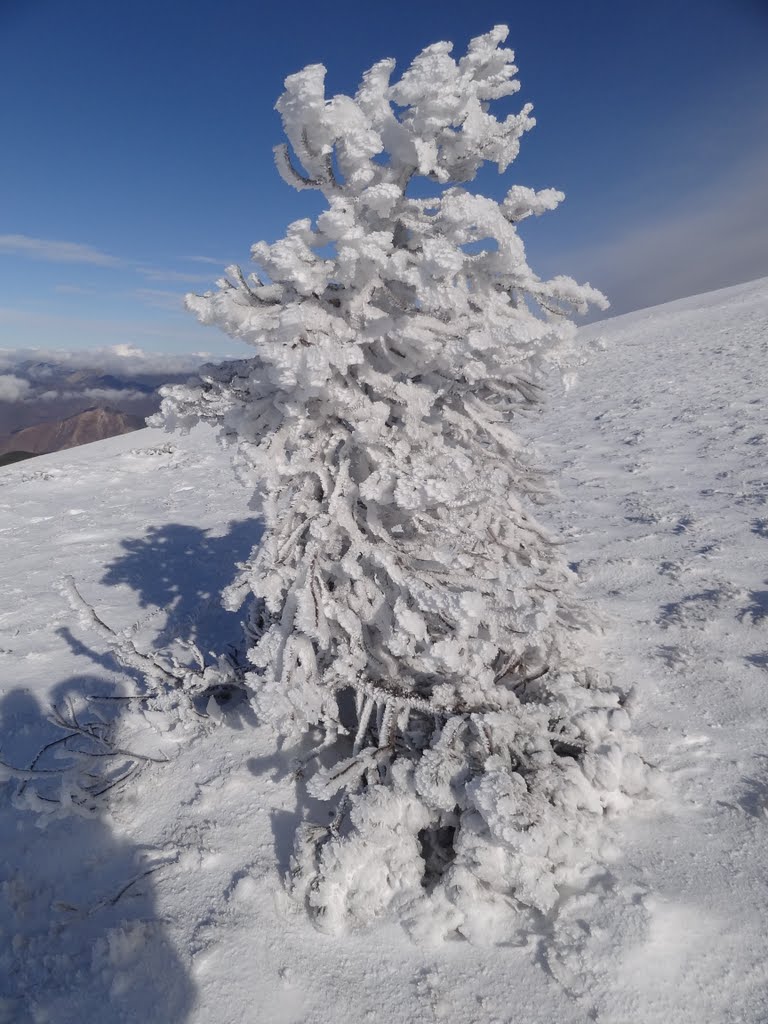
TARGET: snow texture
(406,596)
(162,900)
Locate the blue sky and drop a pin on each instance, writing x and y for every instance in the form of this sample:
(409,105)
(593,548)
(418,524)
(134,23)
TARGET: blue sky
(136,146)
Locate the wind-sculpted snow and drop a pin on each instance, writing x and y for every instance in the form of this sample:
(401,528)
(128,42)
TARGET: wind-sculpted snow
(406,596)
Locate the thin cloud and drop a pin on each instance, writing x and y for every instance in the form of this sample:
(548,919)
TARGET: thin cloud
(56,252)
(717,239)
(153,274)
(207,259)
(158,298)
(75,289)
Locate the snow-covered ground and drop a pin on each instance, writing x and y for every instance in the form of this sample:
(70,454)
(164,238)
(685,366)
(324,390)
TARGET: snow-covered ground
(166,904)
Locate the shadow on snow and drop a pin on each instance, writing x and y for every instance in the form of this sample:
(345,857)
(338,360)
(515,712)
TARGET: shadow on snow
(182,570)
(81,934)
(82,938)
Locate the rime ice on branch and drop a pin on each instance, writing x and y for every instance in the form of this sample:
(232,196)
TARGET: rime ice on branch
(407,602)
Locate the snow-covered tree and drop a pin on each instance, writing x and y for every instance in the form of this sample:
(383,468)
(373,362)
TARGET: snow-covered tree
(409,609)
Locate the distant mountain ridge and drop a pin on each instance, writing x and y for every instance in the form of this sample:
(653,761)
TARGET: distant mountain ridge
(92,424)
(50,390)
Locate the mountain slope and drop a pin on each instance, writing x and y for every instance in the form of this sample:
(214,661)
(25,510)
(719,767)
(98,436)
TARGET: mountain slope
(93,424)
(167,904)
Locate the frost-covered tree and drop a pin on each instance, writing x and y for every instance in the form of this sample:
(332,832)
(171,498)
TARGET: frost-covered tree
(408,606)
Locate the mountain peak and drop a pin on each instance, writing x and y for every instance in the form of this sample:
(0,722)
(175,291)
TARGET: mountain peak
(92,424)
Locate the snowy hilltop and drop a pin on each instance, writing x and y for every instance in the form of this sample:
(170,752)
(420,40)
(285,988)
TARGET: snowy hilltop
(145,846)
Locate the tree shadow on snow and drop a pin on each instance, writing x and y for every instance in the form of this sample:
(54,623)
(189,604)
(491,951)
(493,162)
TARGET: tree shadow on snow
(104,659)
(81,935)
(182,570)
(693,608)
(754,799)
(757,610)
(294,760)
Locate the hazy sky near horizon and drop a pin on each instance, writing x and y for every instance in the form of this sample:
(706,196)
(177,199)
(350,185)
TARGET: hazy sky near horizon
(136,146)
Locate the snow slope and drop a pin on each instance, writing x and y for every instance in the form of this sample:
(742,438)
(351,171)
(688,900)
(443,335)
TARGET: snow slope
(166,905)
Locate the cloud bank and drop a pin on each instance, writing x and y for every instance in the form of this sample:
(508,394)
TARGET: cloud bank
(121,360)
(98,395)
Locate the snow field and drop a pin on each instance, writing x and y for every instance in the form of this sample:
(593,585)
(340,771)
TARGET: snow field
(167,904)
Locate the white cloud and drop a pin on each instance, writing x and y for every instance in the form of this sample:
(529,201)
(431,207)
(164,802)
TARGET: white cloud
(207,259)
(13,389)
(55,252)
(127,351)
